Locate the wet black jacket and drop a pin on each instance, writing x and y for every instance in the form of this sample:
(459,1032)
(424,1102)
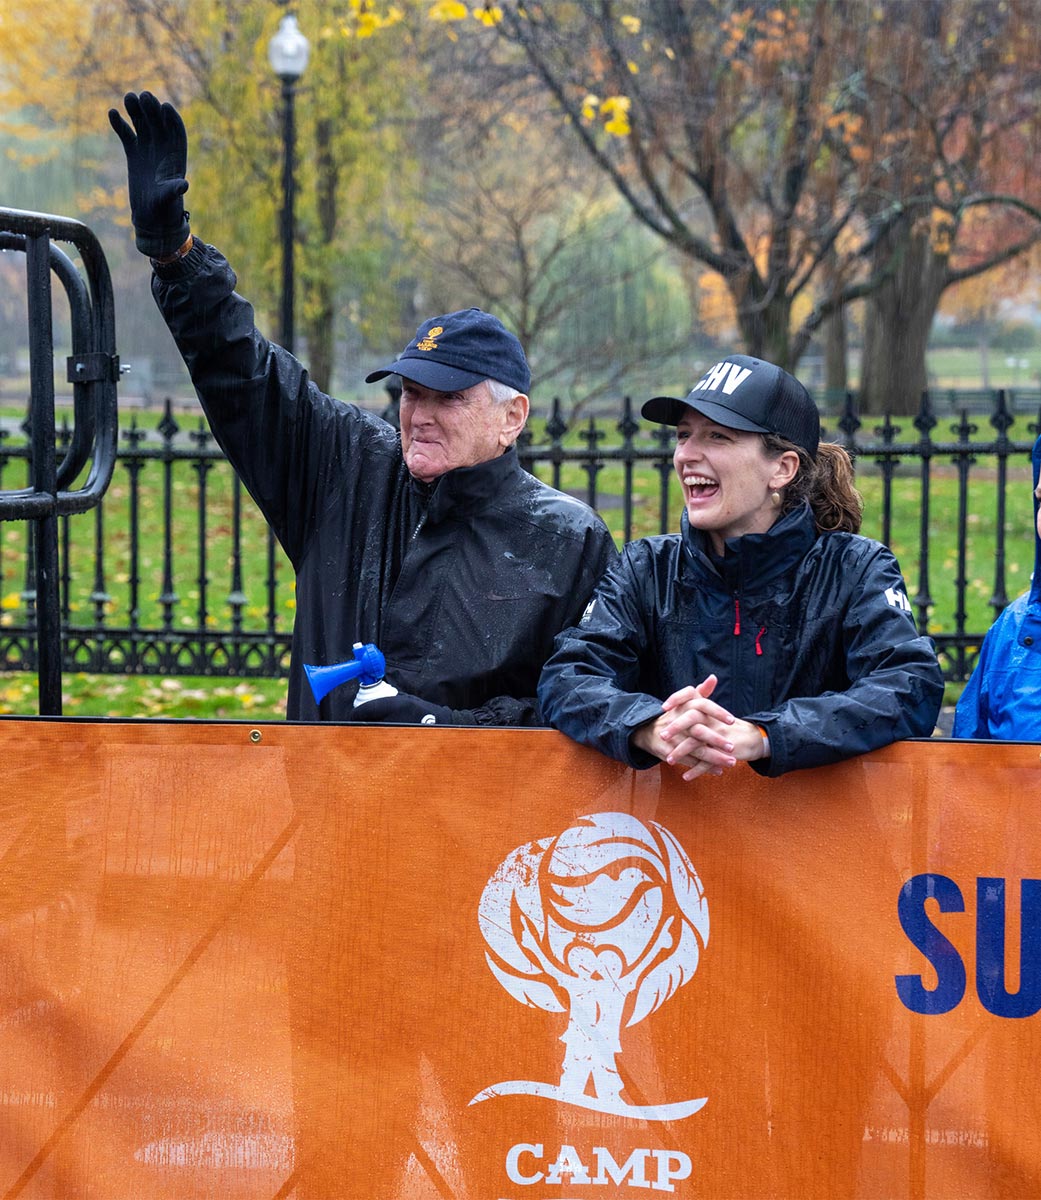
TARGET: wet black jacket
(811,636)
(462,584)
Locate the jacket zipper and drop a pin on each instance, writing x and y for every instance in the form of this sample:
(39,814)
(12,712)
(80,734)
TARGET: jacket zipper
(408,549)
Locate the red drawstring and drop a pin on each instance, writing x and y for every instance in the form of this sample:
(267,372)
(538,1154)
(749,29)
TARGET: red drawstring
(737,627)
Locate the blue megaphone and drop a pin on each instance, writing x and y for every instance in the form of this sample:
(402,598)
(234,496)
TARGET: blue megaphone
(368,666)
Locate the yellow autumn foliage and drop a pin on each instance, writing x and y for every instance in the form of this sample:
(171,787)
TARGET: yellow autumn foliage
(616,111)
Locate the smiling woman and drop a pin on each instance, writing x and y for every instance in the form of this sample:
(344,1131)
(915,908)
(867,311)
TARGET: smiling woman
(767,630)
(728,481)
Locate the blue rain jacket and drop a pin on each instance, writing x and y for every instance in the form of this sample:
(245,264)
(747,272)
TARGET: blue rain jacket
(1003,697)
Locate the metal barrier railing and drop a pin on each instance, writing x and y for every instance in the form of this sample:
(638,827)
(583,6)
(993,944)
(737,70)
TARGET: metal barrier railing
(93,371)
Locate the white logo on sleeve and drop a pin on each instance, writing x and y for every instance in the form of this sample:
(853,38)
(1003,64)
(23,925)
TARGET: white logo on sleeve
(588,612)
(897,599)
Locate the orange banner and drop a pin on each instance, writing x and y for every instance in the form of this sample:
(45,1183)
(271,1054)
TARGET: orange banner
(327,962)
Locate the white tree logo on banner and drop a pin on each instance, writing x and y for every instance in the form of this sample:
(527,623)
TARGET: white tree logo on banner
(604,922)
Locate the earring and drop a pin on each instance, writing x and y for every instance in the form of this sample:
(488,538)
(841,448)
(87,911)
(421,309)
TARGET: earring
(775,499)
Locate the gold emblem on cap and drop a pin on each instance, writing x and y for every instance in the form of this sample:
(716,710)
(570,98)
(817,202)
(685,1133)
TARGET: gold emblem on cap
(428,342)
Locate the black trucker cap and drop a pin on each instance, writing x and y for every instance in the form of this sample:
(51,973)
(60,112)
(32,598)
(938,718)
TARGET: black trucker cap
(459,350)
(746,393)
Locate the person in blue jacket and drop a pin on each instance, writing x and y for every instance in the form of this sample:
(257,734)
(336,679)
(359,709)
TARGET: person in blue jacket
(1003,696)
(767,630)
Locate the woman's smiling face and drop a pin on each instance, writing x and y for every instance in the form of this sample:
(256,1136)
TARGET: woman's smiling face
(727,478)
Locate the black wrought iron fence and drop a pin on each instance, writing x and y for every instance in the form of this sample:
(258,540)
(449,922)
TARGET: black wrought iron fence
(176,573)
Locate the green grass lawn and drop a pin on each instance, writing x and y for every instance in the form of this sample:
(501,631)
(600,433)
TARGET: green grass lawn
(962,367)
(203,698)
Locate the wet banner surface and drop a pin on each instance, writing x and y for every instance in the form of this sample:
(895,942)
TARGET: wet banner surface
(335,962)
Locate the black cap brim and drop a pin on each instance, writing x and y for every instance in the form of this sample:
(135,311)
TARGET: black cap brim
(664,410)
(428,373)
(669,410)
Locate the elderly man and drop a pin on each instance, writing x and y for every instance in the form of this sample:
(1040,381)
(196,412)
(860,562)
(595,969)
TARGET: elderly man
(433,543)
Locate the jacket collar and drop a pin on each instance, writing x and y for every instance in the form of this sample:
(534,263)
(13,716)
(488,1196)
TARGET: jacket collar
(755,557)
(467,488)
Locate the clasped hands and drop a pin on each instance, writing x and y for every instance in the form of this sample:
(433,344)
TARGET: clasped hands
(696,733)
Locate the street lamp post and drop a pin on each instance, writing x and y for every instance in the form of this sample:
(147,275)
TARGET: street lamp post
(287,53)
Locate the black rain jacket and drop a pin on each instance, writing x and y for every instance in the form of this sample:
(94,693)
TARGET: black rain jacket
(811,637)
(461,584)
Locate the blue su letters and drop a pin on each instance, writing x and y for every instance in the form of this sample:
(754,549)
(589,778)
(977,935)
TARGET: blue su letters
(990,947)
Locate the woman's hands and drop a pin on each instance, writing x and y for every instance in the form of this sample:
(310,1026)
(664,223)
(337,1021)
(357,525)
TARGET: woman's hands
(700,735)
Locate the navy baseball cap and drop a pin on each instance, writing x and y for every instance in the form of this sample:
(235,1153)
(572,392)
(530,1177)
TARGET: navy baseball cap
(746,393)
(457,351)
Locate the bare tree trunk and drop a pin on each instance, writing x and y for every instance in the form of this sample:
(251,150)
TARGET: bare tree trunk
(320,337)
(765,328)
(896,330)
(836,354)
(320,309)
(986,321)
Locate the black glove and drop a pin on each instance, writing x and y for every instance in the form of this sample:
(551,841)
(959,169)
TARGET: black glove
(404,709)
(157,162)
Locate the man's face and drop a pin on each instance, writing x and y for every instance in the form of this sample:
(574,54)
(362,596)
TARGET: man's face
(444,430)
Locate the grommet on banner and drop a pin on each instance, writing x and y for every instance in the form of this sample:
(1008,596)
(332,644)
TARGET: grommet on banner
(255,735)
